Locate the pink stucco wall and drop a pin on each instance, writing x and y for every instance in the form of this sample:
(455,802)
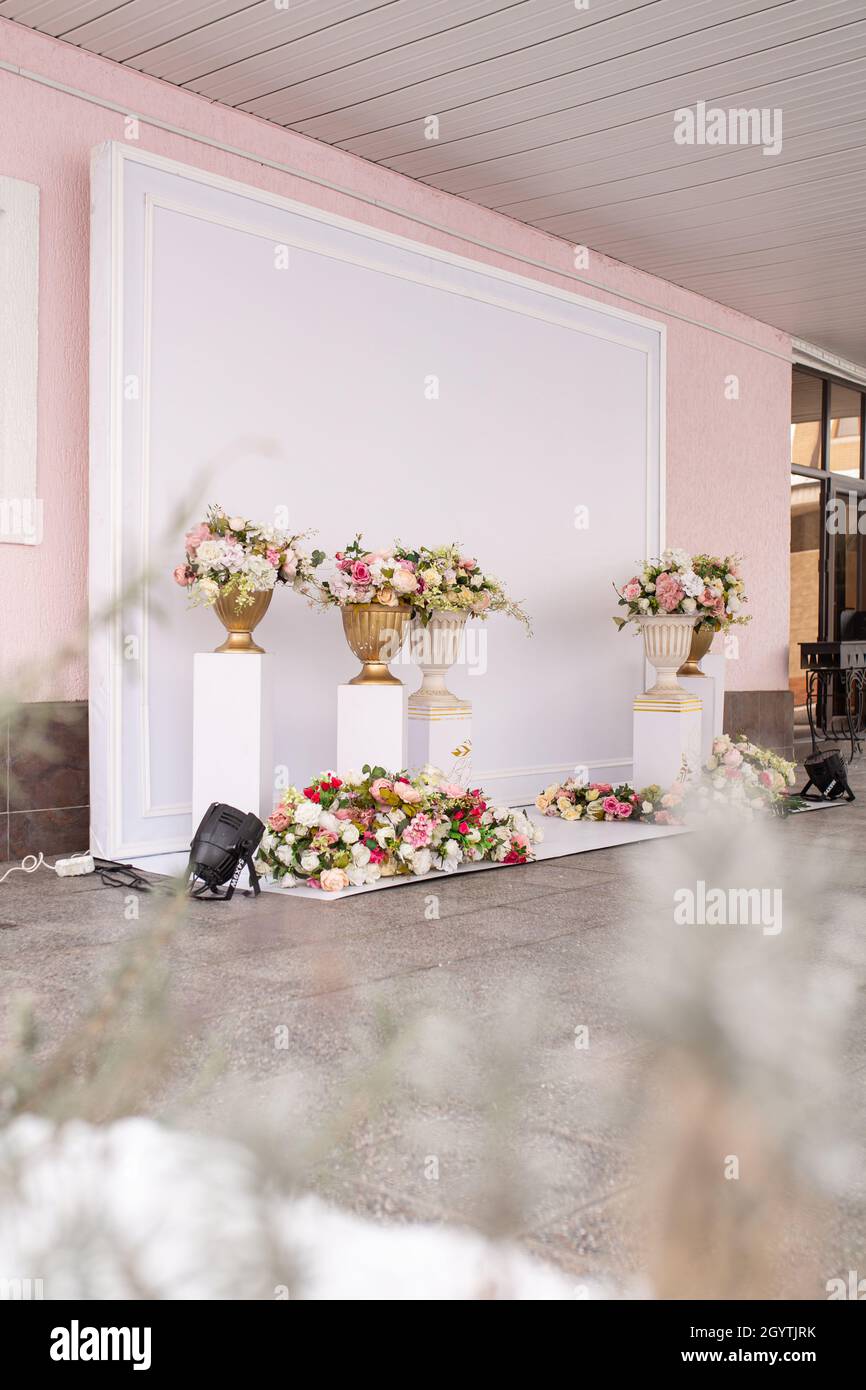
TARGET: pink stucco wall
(727,460)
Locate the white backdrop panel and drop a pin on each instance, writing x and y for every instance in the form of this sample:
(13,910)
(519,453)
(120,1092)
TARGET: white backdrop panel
(220,376)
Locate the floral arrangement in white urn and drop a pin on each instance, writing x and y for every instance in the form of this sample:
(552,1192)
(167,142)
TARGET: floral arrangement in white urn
(450,580)
(706,587)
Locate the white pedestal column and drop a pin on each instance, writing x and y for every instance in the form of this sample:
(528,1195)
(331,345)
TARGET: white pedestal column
(436,734)
(232,733)
(667,741)
(710,690)
(371,727)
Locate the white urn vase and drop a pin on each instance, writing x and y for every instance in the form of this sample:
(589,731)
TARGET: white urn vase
(435,648)
(667,640)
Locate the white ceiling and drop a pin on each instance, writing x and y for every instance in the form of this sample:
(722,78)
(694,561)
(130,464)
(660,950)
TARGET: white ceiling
(563,118)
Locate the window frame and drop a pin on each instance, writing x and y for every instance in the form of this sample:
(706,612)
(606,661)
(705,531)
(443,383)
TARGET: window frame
(832,483)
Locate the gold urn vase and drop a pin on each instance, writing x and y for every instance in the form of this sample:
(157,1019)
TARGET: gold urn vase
(375,633)
(240,622)
(702,640)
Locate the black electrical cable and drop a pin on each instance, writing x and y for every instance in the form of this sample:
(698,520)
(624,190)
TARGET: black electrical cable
(116,875)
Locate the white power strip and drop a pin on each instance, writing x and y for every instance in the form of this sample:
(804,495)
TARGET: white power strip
(81,864)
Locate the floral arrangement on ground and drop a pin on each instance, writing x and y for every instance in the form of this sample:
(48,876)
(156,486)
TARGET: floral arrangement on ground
(706,586)
(229,555)
(738,776)
(346,832)
(575,800)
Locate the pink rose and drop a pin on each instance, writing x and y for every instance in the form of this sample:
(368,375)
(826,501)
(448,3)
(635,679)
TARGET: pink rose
(183,576)
(407,792)
(610,805)
(333,880)
(631,589)
(766,778)
(289,569)
(361,574)
(404,581)
(624,810)
(482,602)
(195,537)
(732,758)
(279,820)
(381,784)
(451,789)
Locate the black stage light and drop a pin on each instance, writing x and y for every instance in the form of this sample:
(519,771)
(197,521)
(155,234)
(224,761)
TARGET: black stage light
(225,841)
(828,773)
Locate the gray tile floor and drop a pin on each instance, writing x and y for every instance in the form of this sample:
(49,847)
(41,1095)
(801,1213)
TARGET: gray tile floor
(417,1068)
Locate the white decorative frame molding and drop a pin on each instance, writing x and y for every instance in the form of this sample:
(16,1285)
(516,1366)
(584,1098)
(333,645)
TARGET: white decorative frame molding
(20,518)
(106,444)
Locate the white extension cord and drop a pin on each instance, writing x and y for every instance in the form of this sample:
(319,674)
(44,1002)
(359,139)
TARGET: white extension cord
(64,868)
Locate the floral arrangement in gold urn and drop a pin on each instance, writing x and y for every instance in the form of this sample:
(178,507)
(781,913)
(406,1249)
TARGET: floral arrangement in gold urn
(380,591)
(233,565)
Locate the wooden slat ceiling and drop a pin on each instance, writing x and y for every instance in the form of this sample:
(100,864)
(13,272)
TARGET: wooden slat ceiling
(563,118)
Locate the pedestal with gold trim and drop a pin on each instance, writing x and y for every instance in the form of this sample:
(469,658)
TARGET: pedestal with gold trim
(667,740)
(438,734)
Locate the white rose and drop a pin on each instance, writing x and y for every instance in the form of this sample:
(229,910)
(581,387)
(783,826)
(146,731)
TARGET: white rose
(733,603)
(351,835)
(356,875)
(692,584)
(328,821)
(353,778)
(236,523)
(309,862)
(646,807)
(372,873)
(268,840)
(208,553)
(284,854)
(307,813)
(395,816)
(422,861)
(384,836)
(643,604)
(688,605)
(208,589)
(406,852)
(360,854)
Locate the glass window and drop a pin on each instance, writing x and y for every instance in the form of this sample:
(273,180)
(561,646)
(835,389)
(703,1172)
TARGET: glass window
(806,521)
(844,430)
(806,394)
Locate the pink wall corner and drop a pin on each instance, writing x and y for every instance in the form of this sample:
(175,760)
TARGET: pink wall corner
(727,460)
